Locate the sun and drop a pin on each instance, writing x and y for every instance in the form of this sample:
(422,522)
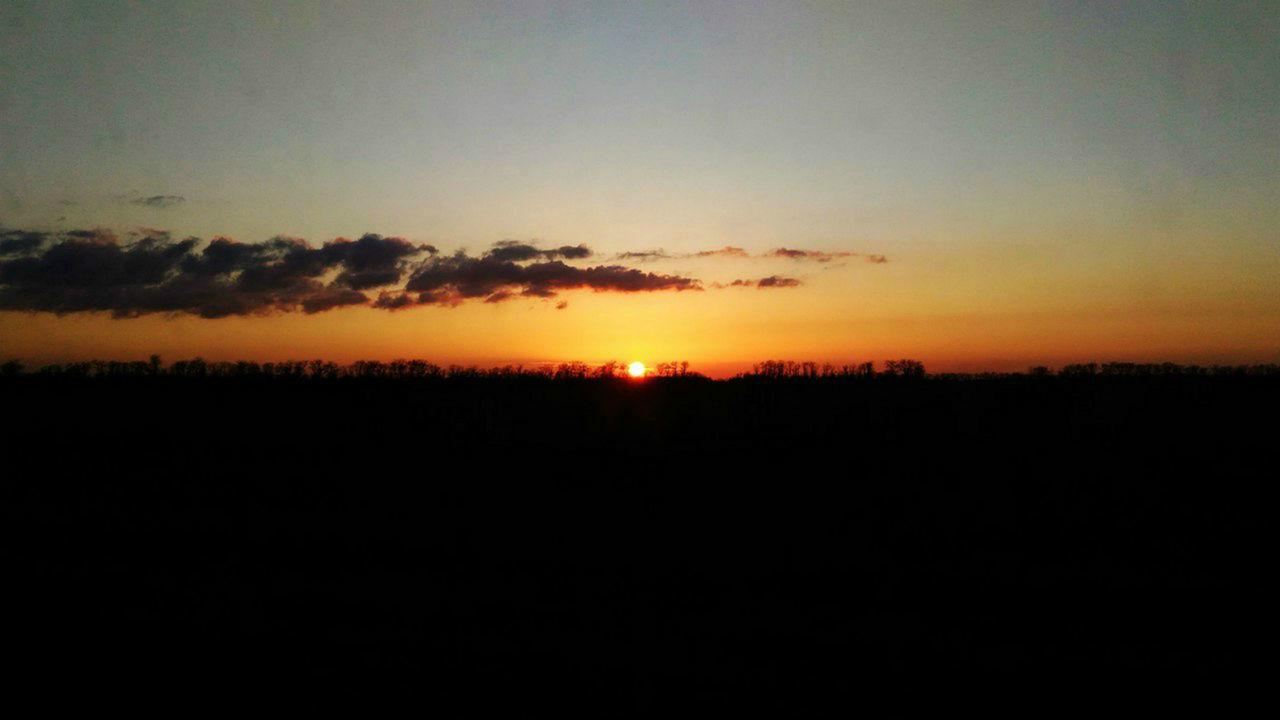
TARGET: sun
(636,369)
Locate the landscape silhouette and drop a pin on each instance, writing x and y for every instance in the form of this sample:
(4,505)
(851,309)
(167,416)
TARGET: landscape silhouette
(568,527)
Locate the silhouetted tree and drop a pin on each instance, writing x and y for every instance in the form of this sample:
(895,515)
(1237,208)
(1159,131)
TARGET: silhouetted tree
(1079,370)
(904,368)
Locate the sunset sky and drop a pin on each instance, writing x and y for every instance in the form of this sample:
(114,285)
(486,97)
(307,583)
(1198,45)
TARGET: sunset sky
(975,185)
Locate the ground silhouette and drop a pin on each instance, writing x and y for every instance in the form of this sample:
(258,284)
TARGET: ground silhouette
(566,530)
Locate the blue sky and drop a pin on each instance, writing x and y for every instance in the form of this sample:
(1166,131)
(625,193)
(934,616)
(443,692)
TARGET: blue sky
(477,120)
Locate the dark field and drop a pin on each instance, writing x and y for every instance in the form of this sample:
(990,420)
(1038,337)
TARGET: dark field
(617,539)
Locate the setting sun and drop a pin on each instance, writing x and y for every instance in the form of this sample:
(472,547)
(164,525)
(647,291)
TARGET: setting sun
(636,369)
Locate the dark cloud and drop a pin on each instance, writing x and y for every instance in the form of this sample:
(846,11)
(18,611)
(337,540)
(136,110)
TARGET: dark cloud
(538,292)
(571,252)
(91,270)
(159,201)
(514,251)
(327,298)
(460,277)
(773,281)
(393,300)
(777,281)
(562,304)
(372,261)
(151,272)
(17,242)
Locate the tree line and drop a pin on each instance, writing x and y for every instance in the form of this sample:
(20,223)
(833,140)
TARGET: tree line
(327,370)
(423,369)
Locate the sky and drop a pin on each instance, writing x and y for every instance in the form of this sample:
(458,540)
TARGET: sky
(981,186)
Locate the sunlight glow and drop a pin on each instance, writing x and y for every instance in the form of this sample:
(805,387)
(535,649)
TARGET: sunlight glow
(636,369)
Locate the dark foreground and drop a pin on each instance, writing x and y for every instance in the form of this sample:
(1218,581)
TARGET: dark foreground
(629,541)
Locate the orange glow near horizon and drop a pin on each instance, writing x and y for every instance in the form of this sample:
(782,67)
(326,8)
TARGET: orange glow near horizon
(636,369)
(719,332)
(999,311)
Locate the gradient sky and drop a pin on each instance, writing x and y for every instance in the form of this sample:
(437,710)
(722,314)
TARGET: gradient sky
(1049,182)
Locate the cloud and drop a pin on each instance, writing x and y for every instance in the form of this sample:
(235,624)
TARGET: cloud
(728,251)
(660,254)
(372,261)
(159,201)
(644,256)
(91,270)
(737,252)
(151,272)
(393,300)
(815,255)
(777,281)
(17,242)
(514,251)
(823,257)
(773,281)
(453,279)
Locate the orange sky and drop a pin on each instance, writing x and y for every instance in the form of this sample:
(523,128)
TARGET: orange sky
(954,313)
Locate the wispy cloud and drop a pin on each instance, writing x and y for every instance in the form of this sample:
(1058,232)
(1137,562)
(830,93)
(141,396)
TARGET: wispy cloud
(820,256)
(643,255)
(765,283)
(726,251)
(159,201)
